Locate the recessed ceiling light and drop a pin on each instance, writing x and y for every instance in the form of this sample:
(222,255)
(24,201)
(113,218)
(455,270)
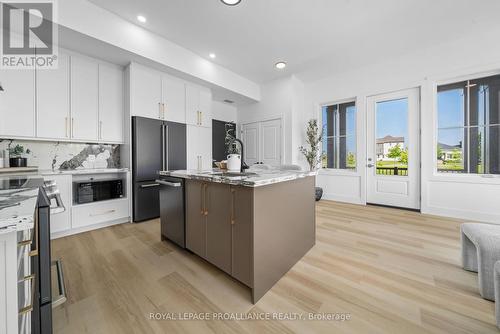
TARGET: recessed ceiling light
(212,55)
(280,65)
(141,19)
(231,2)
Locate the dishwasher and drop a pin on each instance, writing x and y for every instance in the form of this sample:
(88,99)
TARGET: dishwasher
(172,210)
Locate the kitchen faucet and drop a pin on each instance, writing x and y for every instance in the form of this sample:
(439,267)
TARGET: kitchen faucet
(243,164)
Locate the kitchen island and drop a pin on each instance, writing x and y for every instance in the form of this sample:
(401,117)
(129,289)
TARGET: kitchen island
(253,226)
(18,201)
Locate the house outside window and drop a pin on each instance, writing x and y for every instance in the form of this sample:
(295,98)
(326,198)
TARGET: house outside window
(468,139)
(339,142)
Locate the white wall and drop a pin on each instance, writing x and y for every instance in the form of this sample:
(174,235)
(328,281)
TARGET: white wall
(282,98)
(464,196)
(224,112)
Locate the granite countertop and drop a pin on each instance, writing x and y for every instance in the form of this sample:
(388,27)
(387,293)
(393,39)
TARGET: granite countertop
(82,171)
(64,171)
(255,178)
(18,198)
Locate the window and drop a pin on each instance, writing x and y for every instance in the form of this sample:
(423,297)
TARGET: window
(339,142)
(469,126)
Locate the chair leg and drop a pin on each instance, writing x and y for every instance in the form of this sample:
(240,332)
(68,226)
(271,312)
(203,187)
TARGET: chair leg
(485,277)
(469,254)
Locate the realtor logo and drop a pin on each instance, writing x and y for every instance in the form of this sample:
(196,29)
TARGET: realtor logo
(29,36)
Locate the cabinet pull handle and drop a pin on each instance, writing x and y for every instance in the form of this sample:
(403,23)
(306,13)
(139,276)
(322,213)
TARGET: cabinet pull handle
(26,278)
(164,110)
(232,206)
(207,200)
(26,242)
(159,110)
(35,251)
(29,308)
(201,118)
(66,126)
(72,127)
(101,214)
(100,129)
(202,198)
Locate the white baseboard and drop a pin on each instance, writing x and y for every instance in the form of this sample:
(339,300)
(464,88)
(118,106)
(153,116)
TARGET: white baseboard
(462,214)
(344,199)
(73,231)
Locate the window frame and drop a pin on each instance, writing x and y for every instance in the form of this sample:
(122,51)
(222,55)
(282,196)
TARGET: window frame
(433,85)
(348,171)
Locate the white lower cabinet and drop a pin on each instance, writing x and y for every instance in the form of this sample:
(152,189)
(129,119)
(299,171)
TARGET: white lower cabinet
(61,222)
(99,212)
(199,147)
(9,305)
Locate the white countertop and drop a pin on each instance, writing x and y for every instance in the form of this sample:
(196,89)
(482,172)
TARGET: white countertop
(18,199)
(82,171)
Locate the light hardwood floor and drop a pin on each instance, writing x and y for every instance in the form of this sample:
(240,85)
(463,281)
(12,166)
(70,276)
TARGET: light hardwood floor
(393,271)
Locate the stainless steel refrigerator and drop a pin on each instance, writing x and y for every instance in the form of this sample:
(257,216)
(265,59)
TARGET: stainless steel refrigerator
(156,145)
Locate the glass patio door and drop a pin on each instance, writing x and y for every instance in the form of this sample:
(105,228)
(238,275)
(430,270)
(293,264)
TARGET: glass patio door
(393,157)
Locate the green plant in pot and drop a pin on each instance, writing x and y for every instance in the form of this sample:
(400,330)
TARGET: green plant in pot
(312,153)
(17,156)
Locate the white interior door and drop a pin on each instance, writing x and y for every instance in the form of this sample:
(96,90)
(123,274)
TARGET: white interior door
(250,136)
(271,142)
(393,155)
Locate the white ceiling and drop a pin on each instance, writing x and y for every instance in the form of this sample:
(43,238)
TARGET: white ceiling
(315,37)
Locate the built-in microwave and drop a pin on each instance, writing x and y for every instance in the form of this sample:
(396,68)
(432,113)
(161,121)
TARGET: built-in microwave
(97,190)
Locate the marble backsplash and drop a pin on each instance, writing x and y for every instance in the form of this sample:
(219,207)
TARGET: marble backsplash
(62,155)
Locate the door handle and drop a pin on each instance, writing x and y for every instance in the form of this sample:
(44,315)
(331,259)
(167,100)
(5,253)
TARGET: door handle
(166,148)
(170,184)
(370,165)
(159,110)
(61,298)
(163,164)
(150,185)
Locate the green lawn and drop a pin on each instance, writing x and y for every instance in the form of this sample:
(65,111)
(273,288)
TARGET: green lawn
(391,164)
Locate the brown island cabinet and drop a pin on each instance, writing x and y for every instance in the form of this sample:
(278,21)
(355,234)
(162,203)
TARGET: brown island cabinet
(254,234)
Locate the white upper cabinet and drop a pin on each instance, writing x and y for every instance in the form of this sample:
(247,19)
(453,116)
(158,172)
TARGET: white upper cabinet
(199,147)
(53,105)
(110,104)
(17,103)
(205,108)
(146,92)
(198,106)
(173,99)
(84,98)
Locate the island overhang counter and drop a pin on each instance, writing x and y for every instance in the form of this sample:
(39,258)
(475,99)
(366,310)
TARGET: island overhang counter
(255,227)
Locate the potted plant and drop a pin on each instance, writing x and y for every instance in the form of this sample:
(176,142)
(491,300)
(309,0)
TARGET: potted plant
(17,156)
(313,153)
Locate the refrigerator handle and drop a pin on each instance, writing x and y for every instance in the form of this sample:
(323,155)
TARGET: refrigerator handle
(166,148)
(163,147)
